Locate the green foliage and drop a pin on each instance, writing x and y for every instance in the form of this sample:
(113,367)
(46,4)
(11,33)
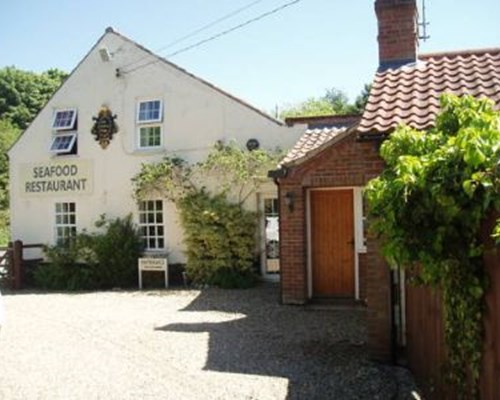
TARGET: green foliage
(4,228)
(220,239)
(219,234)
(24,93)
(8,135)
(333,102)
(67,267)
(99,260)
(115,252)
(429,205)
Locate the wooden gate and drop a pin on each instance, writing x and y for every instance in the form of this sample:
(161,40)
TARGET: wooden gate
(12,263)
(332,242)
(426,349)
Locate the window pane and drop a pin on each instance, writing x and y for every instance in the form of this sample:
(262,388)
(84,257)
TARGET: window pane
(150,223)
(64,119)
(65,222)
(149,111)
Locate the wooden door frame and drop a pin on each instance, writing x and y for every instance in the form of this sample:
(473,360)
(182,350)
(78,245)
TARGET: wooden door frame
(359,241)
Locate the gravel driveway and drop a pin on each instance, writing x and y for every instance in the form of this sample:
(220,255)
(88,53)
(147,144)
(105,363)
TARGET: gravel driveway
(186,344)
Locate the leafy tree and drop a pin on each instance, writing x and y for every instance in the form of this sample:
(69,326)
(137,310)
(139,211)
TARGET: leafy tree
(429,205)
(24,93)
(8,135)
(333,102)
(362,99)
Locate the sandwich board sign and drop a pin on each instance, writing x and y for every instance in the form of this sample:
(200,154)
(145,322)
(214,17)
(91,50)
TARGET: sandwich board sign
(153,264)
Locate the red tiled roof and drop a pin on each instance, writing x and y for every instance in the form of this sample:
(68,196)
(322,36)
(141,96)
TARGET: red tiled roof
(309,141)
(410,94)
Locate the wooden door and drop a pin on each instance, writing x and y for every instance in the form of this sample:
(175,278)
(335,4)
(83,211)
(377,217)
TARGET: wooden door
(332,243)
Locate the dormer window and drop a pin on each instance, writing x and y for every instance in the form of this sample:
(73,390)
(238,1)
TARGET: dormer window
(149,129)
(64,135)
(64,120)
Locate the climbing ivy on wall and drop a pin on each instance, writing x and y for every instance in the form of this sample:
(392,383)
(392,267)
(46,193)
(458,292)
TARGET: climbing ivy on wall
(429,205)
(219,233)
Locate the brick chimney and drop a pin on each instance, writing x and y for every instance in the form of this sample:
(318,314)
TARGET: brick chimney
(397,32)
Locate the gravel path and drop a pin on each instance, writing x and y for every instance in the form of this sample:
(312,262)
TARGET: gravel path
(186,344)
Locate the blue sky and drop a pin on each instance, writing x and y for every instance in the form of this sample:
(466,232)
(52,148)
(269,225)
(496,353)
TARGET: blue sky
(282,59)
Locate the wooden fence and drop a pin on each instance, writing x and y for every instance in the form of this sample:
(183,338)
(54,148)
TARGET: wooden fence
(425,337)
(13,263)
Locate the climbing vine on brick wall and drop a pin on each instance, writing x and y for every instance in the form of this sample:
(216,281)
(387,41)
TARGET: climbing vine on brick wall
(428,206)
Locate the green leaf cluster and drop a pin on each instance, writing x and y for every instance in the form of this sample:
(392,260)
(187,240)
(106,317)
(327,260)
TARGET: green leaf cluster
(333,102)
(428,206)
(220,235)
(220,239)
(24,93)
(98,260)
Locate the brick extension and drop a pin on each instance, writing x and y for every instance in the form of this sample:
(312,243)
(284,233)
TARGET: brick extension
(345,163)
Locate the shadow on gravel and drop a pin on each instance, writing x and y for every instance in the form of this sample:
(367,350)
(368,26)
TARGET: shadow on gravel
(322,353)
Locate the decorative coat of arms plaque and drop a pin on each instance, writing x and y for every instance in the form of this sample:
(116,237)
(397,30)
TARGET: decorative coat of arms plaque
(104,127)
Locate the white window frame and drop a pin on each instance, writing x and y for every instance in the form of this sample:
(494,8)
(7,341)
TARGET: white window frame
(65,127)
(69,227)
(146,126)
(149,121)
(145,224)
(70,145)
(261,200)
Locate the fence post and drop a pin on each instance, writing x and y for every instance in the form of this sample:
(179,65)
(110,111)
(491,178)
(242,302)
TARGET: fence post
(17,264)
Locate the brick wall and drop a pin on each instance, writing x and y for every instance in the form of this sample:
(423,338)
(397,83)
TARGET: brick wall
(397,30)
(347,163)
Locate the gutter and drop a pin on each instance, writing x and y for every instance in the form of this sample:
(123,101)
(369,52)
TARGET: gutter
(279,173)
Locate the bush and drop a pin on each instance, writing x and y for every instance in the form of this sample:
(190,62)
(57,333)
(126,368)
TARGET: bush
(94,261)
(116,252)
(65,269)
(220,240)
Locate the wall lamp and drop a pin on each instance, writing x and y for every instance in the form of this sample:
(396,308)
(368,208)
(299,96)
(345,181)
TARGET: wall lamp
(290,200)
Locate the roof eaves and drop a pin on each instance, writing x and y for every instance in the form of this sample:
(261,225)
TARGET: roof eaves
(312,153)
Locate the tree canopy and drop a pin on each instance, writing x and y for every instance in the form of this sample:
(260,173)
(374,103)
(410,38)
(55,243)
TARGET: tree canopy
(333,102)
(24,93)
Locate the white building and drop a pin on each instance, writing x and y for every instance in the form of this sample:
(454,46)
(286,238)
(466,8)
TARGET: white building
(63,179)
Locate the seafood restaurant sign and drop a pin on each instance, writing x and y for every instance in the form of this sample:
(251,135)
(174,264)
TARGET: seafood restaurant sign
(57,178)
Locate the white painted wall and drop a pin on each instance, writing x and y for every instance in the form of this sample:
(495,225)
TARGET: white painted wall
(195,116)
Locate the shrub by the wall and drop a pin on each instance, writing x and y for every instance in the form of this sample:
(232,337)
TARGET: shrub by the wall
(100,260)
(220,240)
